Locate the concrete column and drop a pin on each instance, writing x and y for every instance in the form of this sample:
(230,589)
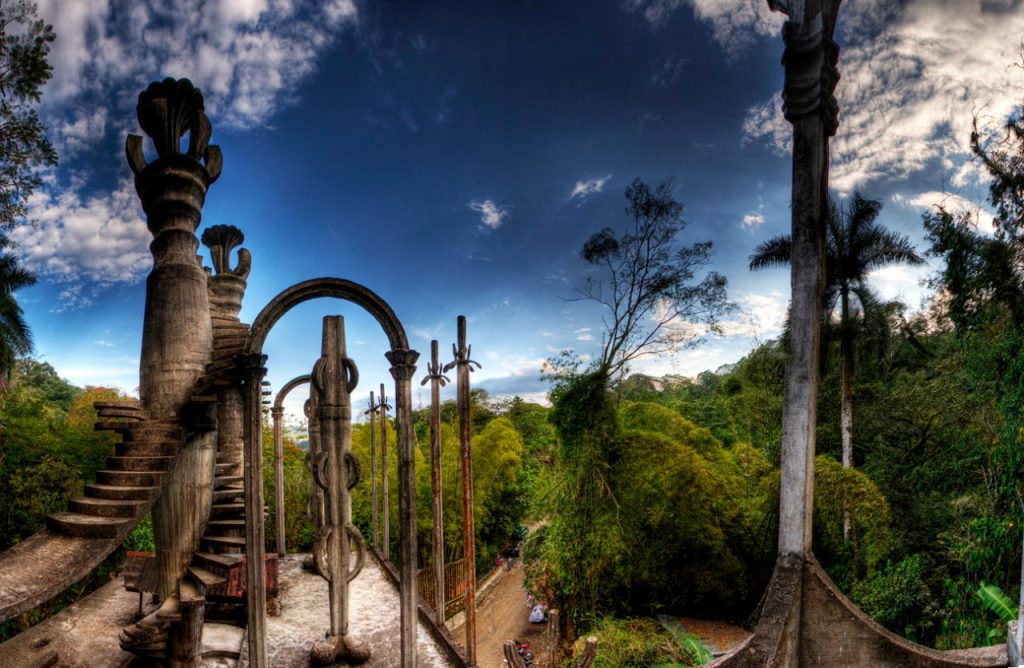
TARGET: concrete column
(808,104)
(253,370)
(177,333)
(403,367)
(277,413)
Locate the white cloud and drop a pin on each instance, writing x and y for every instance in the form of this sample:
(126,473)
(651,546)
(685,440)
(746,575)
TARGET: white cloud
(86,128)
(899,281)
(584,334)
(753,219)
(101,239)
(246,55)
(584,188)
(735,24)
(491,215)
(668,71)
(913,79)
(757,316)
(930,201)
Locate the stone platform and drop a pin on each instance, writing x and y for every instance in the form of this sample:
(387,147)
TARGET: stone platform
(85,634)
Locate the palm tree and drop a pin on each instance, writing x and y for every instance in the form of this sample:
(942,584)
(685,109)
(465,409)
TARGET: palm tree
(15,337)
(855,246)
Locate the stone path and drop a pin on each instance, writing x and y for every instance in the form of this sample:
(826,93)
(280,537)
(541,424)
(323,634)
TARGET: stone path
(373,618)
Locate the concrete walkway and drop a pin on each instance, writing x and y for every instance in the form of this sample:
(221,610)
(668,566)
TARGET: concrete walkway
(373,618)
(85,635)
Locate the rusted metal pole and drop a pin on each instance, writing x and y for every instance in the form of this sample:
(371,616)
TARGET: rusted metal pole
(403,367)
(374,519)
(464,366)
(437,381)
(277,413)
(382,407)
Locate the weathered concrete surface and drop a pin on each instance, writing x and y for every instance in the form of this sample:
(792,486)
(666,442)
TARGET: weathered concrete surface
(1012,646)
(834,632)
(85,635)
(807,622)
(45,564)
(774,641)
(374,618)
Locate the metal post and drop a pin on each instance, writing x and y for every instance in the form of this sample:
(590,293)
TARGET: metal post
(277,412)
(810,62)
(403,367)
(374,519)
(437,381)
(464,365)
(382,408)
(253,370)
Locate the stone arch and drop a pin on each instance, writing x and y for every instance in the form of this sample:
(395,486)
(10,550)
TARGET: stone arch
(403,366)
(288,387)
(315,288)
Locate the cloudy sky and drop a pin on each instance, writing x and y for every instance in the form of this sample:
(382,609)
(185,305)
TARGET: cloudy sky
(454,156)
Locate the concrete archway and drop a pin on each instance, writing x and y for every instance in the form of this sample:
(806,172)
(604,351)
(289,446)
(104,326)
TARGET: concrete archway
(403,366)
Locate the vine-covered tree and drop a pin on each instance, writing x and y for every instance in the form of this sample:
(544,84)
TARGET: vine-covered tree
(654,301)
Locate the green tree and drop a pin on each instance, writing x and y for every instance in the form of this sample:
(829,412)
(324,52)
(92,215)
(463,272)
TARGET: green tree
(856,245)
(653,301)
(24,46)
(25,41)
(15,337)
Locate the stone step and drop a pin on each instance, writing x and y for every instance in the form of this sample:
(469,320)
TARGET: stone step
(130,478)
(223,543)
(232,523)
(77,525)
(227,509)
(148,448)
(223,561)
(113,425)
(221,481)
(140,463)
(230,339)
(225,328)
(117,403)
(172,615)
(129,408)
(226,527)
(190,592)
(106,507)
(222,640)
(224,468)
(228,493)
(161,426)
(102,491)
(210,383)
(123,413)
(205,577)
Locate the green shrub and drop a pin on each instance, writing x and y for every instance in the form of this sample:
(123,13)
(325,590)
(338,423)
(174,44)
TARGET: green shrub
(635,643)
(898,598)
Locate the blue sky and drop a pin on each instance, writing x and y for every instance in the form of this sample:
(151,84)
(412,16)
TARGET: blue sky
(454,156)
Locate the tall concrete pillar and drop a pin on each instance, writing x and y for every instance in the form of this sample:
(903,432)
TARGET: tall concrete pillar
(177,332)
